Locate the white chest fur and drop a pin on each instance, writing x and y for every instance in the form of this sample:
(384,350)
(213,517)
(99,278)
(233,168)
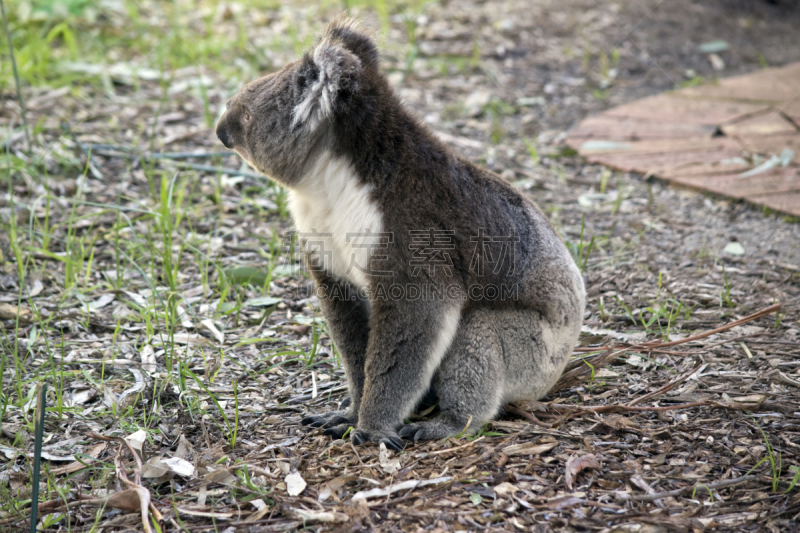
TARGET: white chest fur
(337,218)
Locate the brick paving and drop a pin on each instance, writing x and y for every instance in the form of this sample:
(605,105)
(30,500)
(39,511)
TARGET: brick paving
(738,137)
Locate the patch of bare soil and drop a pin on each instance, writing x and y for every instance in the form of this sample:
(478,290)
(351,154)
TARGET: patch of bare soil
(669,436)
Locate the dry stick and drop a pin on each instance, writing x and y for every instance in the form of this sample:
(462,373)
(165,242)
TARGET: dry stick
(607,408)
(463,446)
(16,76)
(656,344)
(673,384)
(137,473)
(666,388)
(706,347)
(514,410)
(659,344)
(758,314)
(678,492)
(575,375)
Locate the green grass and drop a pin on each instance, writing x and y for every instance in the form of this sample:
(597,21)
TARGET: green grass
(58,47)
(168,233)
(137,248)
(775,460)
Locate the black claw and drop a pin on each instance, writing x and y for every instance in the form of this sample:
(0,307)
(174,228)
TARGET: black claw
(393,443)
(407,432)
(357,438)
(315,422)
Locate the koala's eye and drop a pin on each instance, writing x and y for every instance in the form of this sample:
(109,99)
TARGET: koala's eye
(302,81)
(246,116)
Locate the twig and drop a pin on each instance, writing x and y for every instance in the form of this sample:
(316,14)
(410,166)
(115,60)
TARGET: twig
(658,344)
(614,408)
(577,369)
(119,440)
(758,314)
(666,388)
(513,409)
(16,77)
(356,452)
(678,492)
(467,445)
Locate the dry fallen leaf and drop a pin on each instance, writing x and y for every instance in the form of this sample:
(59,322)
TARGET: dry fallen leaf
(10,312)
(180,466)
(329,489)
(154,468)
(575,465)
(529,449)
(148,358)
(210,326)
(126,500)
(78,465)
(307,515)
(410,484)
(295,484)
(388,464)
(136,440)
(505,488)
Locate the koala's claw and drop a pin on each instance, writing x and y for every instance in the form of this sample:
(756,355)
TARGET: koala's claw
(390,439)
(334,418)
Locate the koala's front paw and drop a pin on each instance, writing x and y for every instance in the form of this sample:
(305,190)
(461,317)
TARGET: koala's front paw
(334,418)
(391,439)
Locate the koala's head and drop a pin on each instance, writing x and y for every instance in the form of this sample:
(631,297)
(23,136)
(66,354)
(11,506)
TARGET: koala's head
(279,122)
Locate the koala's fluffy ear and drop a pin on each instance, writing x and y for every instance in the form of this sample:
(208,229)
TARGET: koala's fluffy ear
(336,70)
(356,39)
(337,63)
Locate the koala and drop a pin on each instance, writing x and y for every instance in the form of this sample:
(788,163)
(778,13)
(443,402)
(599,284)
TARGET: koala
(435,276)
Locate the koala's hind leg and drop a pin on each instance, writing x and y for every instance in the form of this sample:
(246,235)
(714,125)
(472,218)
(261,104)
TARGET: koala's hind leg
(467,382)
(497,356)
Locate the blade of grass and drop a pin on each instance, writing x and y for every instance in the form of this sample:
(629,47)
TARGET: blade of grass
(37,452)
(16,76)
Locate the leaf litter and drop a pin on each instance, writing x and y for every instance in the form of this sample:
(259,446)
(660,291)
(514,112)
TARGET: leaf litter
(186,385)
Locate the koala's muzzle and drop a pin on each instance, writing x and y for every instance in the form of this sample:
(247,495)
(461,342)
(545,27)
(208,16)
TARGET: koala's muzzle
(222,132)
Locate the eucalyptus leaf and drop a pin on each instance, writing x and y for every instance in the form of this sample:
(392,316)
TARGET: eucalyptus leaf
(242,275)
(734,248)
(263,301)
(714,46)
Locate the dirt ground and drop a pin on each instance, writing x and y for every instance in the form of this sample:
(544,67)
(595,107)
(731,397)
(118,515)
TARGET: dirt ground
(502,81)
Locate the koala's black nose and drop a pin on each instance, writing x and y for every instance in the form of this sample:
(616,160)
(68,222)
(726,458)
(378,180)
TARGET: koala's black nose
(222,133)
